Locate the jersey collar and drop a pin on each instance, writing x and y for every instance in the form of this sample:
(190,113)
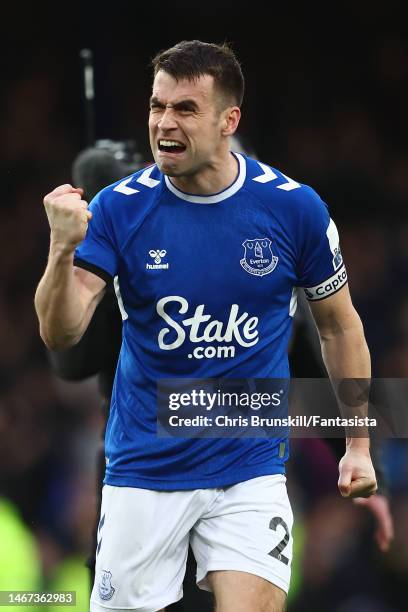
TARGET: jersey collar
(216,197)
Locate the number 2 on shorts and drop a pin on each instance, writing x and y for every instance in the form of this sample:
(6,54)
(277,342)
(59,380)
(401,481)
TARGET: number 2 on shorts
(277,551)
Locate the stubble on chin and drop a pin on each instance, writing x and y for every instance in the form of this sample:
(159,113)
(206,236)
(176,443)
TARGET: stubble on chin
(174,170)
(167,170)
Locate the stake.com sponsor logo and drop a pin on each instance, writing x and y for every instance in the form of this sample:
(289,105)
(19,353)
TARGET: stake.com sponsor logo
(240,328)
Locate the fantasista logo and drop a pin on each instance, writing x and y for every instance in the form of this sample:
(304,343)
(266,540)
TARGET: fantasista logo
(216,338)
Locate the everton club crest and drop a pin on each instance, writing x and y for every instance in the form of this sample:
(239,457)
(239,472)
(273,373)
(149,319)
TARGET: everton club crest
(258,258)
(106,589)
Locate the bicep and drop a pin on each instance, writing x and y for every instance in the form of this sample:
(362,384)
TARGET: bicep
(335,314)
(91,289)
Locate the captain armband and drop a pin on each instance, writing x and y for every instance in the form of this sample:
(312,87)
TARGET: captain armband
(327,287)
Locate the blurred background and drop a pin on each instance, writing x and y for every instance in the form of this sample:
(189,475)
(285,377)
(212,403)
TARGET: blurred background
(326,102)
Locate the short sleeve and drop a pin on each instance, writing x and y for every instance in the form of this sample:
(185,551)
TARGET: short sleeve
(321,270)
(97,253)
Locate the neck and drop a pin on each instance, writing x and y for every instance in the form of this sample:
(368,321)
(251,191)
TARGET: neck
(216,177)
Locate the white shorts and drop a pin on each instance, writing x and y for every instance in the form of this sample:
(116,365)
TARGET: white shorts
(143,540)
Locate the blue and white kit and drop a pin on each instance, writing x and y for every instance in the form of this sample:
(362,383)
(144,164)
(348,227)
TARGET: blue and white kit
(207,289)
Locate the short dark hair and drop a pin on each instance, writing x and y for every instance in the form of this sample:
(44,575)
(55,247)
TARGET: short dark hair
(191,59)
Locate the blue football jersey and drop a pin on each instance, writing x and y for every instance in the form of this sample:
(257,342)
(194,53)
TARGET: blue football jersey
(207,289)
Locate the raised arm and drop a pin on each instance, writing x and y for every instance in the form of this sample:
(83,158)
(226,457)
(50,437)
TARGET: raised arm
(66,296)
(346,356)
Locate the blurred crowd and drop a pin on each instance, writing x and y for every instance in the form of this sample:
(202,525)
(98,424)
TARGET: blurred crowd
(350,148)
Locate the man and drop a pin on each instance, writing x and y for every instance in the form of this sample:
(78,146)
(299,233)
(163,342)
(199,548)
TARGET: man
(176,236)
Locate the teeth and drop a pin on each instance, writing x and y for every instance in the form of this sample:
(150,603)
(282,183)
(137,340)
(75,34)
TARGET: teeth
(169,143)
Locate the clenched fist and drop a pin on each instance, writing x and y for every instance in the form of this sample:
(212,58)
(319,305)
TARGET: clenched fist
(68,216)
(356,474)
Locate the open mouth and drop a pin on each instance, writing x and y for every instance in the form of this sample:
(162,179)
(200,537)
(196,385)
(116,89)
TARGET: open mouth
(171,146)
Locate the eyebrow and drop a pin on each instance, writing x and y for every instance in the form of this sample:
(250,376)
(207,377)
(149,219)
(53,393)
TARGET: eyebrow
(187,104)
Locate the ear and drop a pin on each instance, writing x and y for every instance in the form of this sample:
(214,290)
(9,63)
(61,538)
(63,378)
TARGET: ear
(230,120)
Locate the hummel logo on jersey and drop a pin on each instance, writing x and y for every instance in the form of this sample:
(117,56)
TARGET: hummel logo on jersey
(157,255)
(258,258)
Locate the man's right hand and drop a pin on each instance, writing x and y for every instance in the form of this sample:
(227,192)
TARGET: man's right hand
(68,216)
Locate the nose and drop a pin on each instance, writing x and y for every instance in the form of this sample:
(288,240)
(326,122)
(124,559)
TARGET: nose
(167,121)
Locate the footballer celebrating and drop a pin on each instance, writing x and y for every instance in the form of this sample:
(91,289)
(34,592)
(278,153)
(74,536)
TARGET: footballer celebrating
(206,249)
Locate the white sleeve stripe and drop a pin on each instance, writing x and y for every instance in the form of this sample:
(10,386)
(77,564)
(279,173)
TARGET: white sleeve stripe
(291,184)
(119,298)
(123,188)
(293,302)
(145,178)
(327,287)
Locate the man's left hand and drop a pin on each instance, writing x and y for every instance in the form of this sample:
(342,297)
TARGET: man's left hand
(356,474)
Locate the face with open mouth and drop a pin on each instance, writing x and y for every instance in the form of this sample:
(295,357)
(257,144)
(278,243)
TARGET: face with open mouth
(184,124)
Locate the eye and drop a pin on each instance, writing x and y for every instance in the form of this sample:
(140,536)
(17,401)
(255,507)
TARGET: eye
(155,108)
(185,111)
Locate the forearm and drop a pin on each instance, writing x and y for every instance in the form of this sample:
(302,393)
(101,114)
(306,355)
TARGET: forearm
(346,356)
(376,452)
(59,301)
(91,353)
